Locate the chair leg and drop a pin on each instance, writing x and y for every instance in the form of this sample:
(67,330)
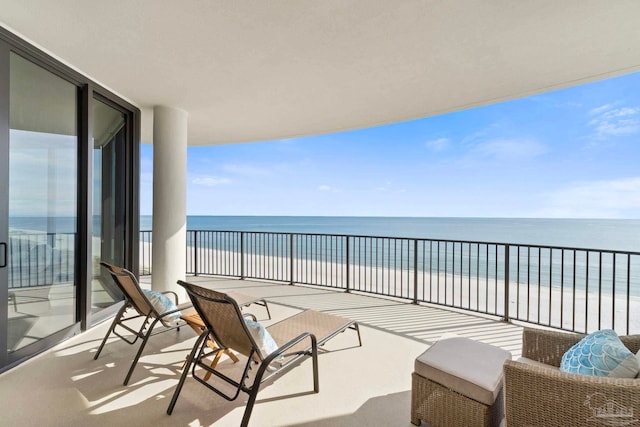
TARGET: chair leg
(214,363)
(116,320)
(139,353)
(266,306)
(232,356)
(357,328)
(314,357)
(185,372)
(13,299)
(252,396)
(263,367)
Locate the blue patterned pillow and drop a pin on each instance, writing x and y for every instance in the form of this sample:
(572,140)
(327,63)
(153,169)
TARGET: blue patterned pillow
(601,354)
(262,337)
(162,304)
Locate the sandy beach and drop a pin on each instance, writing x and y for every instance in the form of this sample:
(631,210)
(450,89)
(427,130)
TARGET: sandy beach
(566,308)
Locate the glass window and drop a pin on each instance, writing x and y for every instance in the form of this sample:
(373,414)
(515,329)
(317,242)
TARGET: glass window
(109,138)
(43,177)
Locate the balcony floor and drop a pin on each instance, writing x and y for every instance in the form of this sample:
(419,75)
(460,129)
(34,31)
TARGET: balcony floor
(368,385)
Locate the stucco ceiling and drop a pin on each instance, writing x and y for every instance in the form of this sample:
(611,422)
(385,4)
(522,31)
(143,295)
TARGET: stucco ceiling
(258,70)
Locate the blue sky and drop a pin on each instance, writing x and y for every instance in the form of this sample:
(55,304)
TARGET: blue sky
(572,153)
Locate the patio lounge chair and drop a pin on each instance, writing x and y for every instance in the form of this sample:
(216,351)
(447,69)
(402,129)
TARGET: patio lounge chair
(537,393)
(136,299)
(295,337)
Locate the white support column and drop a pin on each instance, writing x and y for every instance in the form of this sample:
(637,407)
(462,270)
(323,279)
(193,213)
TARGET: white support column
(168,264)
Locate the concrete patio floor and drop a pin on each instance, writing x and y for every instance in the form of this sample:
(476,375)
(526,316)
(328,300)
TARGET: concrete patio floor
(363,386)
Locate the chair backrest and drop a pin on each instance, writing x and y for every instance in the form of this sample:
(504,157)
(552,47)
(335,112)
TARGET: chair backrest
(632,342)
(222,316)
(129,286)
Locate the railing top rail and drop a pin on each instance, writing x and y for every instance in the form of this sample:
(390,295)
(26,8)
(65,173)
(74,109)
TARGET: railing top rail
(426,239)
(14,233)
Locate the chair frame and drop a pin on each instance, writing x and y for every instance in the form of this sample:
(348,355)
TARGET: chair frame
(144,309)
(201,351)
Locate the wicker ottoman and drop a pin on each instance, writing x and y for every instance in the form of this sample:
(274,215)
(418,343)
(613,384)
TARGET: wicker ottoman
(457,382)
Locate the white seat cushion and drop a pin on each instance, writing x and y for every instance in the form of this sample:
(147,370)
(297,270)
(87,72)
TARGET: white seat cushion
(468,367)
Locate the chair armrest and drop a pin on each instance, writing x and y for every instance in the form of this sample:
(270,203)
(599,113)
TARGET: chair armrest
(296,340)
(547,347)
(538,396)
(282,349)
(175,296)
(180,322)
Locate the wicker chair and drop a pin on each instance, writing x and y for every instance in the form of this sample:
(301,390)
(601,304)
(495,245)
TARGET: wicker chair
(536,395)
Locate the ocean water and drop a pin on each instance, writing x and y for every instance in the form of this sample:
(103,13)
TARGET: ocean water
(609,234)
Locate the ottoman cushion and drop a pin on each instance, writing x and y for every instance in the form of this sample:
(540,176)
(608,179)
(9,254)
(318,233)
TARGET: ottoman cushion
(468,367)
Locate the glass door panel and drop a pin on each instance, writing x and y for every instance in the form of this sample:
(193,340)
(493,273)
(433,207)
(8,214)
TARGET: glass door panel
(108,204)
(43,177)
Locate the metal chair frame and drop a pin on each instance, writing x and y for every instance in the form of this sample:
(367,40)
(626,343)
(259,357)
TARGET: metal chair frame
(151,316)
(201,351)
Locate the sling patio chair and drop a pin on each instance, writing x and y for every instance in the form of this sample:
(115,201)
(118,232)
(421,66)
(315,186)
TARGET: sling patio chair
(165,312)
(154,308)
(272,349)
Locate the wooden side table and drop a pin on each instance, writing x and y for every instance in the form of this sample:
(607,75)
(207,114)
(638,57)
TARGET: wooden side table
(193,319)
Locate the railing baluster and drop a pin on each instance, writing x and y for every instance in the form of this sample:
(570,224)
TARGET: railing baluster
(613,293)
(291,258)
(518,284)
(241,255)
(507,260)
(347,263)
(380,265)
(195,253)
(628,290)
(600,290)
(586,293)
(415,271)
(573,303)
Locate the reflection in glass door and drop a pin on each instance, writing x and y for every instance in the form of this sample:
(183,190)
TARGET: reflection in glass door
(108,205)
(43,176)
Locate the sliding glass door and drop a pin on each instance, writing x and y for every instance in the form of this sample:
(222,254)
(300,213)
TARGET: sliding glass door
(108,201)
(69,153)
(42,204)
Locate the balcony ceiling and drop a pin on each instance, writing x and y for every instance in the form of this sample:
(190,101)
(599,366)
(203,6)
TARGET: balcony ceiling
(259,70)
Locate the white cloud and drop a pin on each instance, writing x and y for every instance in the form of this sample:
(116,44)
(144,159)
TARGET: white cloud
(43,174)
(389,187)
(385,187)
(246,170)
(210,181)
(610,121)
(601,109)
(439,144)
(509,149)
(327,188)
(618,198)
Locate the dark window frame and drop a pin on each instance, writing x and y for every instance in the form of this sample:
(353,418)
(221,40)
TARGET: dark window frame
(87,90)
